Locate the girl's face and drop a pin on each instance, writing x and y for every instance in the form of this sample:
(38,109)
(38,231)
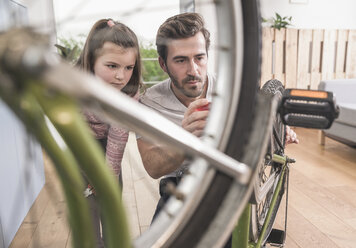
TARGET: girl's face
(115,64)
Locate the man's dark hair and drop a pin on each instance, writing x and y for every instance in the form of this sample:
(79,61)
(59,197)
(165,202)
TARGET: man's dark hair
(180,26)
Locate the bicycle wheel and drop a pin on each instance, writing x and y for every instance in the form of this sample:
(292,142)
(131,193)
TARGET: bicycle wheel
(268,172)
(212,200)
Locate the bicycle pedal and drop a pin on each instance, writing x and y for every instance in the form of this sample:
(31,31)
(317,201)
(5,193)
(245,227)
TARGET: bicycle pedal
(308,108)
(276,238)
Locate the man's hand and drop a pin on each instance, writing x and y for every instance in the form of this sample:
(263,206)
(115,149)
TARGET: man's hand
(194,120)
(291,136)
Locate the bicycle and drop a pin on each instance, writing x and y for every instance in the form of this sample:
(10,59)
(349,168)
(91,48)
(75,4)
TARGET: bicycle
(273,180)
(244,138)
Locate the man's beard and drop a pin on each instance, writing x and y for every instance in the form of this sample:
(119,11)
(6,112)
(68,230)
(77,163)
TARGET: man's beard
(191,92)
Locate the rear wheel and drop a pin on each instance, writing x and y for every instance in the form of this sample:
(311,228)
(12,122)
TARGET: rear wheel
(269,172)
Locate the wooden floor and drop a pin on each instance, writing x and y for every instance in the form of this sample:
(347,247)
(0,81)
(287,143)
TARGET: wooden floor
(46,226)
(321,212)
(322,198)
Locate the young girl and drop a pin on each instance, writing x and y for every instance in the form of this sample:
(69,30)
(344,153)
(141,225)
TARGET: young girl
(111,52)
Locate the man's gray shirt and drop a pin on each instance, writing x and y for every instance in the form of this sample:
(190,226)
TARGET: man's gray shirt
(161,98)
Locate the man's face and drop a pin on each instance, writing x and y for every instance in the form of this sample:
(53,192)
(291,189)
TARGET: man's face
(186,65)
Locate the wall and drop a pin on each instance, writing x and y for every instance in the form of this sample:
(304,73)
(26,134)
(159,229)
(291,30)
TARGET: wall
(301,58)
(21,167)
(319,14)
(76,17)
(43,22)
(21,174)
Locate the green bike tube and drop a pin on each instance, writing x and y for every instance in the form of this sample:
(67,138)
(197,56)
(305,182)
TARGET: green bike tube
(241,232)
(66,117)
(28,110)
(281,160)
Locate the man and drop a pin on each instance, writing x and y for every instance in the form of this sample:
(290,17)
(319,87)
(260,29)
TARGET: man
(182,44)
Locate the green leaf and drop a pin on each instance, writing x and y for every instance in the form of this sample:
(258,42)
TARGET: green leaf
(72,54)
(63,50)
(279,22)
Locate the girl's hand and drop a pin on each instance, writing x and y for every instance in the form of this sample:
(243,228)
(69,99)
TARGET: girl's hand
(291,136)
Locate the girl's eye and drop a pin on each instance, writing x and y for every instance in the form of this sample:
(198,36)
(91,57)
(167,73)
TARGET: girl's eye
(112,66)
(130,68)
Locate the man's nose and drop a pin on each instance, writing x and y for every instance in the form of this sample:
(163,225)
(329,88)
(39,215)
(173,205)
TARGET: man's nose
(193,68)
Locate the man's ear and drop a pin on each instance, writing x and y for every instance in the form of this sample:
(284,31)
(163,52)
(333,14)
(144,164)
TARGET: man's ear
(162,64)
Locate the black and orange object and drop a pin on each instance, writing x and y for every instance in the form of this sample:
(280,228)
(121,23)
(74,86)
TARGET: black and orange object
(308,108)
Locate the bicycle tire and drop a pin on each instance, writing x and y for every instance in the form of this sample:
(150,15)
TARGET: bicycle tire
(220,206)
(269,172)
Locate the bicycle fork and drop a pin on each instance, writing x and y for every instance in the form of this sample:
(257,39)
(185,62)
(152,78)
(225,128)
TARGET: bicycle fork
(241,232)
(277,237)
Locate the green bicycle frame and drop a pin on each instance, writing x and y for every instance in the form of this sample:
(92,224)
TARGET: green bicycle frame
(240,236)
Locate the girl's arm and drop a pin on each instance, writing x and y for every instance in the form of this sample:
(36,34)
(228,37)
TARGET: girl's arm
(117,139)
